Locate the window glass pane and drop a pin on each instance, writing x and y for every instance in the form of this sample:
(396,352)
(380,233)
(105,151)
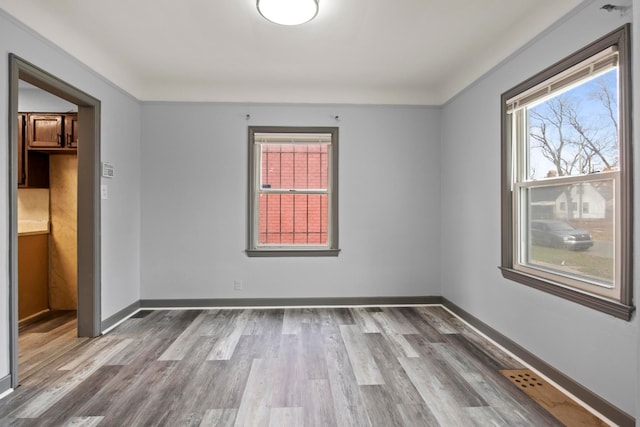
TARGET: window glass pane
(293,219)
(294,166)
(576,131)
(578,243)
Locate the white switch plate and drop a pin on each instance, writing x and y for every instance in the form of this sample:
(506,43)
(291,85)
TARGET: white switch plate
(237,285)
(104,192)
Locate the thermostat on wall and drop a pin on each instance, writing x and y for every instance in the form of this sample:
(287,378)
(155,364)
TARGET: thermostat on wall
(107,170)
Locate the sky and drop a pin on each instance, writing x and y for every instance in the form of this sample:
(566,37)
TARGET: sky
(592,115)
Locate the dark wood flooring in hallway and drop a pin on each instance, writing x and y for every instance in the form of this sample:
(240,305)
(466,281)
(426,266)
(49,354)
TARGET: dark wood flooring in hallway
(381,366)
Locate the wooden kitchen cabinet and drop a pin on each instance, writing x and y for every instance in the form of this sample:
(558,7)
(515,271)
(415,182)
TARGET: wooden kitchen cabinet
(36,170)
(33,166)
(33,274)
(39,135)
(45,131)
(22,176)
(52,132)
(71,130)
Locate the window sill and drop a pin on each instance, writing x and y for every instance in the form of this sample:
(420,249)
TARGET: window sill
(613,308)
(292,252)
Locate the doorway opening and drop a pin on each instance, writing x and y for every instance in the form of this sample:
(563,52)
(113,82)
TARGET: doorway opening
(47,227)
(70,162)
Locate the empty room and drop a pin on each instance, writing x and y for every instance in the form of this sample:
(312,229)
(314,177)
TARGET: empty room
(319,212)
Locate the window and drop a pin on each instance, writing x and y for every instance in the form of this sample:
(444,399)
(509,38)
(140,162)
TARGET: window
(566,186)
(293,191)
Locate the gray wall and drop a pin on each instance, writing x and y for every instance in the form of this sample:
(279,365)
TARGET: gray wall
(34,99)
(594,349)
(120,134)
(414,182)
(194,201)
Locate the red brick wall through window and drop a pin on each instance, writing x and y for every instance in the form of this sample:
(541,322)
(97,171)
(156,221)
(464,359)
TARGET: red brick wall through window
(299,217)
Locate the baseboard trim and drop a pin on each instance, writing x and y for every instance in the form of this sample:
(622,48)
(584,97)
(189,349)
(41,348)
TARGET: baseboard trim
(285,302)
(33,318)
(604,407)
(111,321)
(5,385)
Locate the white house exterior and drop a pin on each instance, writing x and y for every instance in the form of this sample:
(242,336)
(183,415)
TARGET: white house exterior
(586,201)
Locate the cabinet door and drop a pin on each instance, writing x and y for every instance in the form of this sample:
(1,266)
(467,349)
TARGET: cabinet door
(21,157)
(71,130)
(45,131)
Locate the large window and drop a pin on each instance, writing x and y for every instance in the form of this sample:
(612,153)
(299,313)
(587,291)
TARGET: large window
(566,205)
(293,191)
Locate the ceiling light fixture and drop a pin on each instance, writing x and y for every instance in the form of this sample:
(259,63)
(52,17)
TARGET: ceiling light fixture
(288,12)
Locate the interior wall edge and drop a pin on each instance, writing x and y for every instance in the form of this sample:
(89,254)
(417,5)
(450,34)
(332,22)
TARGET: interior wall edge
(596,402)
(118,317)
(5,385)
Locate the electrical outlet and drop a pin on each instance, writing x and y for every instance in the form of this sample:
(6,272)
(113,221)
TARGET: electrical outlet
(104,192)
(237,285)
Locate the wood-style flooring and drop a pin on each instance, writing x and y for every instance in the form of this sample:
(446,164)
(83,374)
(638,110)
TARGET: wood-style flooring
(45,339)
(400,366)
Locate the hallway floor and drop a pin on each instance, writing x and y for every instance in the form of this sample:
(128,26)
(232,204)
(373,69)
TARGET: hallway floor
(48,338)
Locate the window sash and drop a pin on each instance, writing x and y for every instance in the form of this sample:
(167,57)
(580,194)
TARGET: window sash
(259,139)
(569,179)
(590,68)
(517,107)
(292,138)
(521,237)
(622,306)
(256,225)
(293,191)
(293,232)
(296,139)
(520,182)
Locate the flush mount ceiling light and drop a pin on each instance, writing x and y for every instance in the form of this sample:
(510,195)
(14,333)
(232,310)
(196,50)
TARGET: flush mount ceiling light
(288,12)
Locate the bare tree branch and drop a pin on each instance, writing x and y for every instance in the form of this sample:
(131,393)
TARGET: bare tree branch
(572,140)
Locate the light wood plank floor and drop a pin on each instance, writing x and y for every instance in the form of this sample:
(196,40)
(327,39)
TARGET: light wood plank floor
(43,340)
(404,366)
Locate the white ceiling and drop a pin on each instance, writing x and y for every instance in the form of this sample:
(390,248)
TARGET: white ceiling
(355,51)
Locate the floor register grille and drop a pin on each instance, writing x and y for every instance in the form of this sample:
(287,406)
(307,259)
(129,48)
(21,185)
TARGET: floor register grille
(552,399)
